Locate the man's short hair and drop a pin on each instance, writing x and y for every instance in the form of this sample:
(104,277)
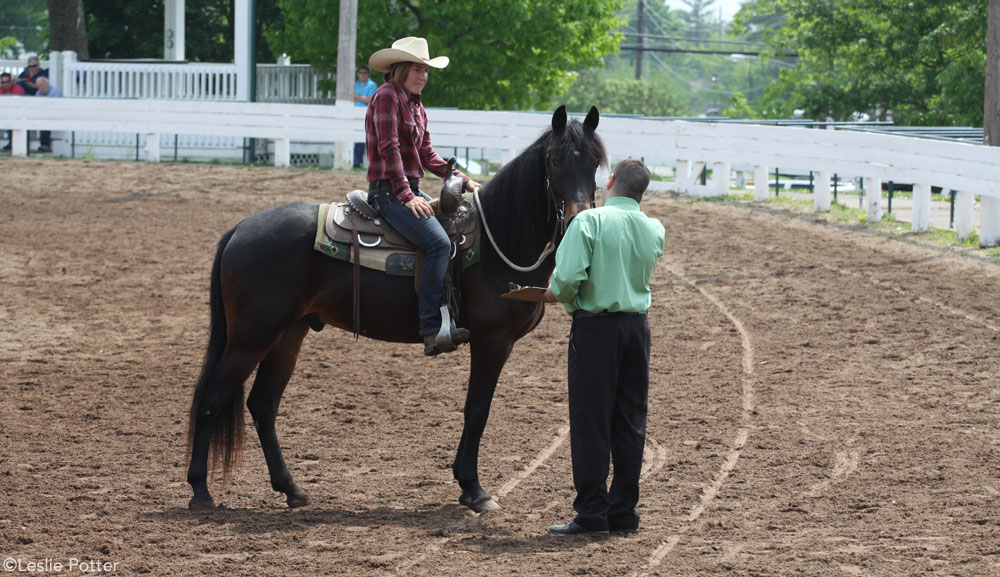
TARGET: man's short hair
(631,178)
(365,68)
(5,75)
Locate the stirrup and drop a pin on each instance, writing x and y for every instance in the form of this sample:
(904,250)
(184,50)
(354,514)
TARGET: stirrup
(445,340)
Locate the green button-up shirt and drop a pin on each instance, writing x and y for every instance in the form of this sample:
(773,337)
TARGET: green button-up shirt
(607,257)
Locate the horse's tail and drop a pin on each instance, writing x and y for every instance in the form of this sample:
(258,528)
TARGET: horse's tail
(227,434)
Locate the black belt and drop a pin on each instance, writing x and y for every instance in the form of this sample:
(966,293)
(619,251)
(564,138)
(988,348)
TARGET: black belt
(582,314)
(377,184)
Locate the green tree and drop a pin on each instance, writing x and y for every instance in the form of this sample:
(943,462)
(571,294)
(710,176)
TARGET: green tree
(134,29)
(621,96)
(26,22)
(504,55)
(697,18)
(921,60)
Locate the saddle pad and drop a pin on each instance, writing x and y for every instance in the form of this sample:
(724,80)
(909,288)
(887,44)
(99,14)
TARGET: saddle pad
(392,255)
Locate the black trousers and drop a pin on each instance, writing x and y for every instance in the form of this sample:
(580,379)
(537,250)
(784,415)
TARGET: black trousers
(608,394)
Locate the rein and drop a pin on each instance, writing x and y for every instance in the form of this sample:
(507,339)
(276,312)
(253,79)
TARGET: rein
(559,229)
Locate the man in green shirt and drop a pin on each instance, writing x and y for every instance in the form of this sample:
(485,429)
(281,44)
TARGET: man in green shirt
(603,267)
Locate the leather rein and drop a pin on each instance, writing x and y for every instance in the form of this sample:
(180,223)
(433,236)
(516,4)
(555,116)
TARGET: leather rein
(557,232)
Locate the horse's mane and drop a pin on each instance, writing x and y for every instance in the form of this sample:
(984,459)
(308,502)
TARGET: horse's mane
(516,198)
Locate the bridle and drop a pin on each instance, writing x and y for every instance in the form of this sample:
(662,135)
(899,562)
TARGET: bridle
(558,231)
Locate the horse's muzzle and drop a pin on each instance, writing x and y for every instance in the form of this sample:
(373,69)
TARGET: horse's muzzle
(573,209)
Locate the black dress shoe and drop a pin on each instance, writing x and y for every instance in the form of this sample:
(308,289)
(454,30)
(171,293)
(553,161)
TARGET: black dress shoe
(623,530)
(574,528)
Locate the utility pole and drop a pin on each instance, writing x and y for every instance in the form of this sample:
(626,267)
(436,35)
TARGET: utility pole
(991,110)
(347,50)
(989,206)
(642,41)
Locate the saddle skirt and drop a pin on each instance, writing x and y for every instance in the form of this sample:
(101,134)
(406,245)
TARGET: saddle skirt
(340,225)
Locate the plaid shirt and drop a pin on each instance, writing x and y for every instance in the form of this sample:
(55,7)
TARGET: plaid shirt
(399,146)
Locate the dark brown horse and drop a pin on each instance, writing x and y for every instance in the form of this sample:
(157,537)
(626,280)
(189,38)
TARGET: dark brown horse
(269,287)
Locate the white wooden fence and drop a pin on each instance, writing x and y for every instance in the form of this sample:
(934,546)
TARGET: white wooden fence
(973,170)
(293,83)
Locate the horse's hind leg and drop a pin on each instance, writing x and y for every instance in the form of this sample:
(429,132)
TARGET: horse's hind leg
(215,408)
(272,377)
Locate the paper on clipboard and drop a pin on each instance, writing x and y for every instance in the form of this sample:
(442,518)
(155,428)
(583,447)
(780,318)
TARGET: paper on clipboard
(525,293)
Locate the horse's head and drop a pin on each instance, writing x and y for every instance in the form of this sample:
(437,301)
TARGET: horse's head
(572,154)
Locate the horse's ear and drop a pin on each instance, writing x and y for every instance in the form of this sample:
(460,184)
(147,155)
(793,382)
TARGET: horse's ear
(451,165)
(559,119)
(592,118)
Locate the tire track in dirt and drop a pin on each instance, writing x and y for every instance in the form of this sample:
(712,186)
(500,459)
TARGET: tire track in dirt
(650,467)
(921,298)
(736,448)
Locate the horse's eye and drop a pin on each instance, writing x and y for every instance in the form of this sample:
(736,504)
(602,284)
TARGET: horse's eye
(554,161)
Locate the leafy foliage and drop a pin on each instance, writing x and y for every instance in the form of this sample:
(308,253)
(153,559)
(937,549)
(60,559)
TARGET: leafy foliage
(24,22)
(923,61)
(504,54)
(621,96)
(134,29)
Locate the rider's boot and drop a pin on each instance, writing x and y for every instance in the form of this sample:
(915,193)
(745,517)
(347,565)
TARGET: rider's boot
(448,338)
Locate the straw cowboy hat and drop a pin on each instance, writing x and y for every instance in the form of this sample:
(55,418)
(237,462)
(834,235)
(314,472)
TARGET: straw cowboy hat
(409,49)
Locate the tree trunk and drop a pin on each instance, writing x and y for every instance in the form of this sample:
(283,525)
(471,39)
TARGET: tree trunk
(991,116)
(68,27)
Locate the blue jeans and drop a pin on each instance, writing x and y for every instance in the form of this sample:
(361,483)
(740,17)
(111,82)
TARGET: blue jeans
(359,153)
(429,236)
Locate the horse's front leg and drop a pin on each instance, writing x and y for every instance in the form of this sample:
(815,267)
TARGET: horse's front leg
(488,358)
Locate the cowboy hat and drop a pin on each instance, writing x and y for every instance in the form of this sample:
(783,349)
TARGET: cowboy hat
(409,49)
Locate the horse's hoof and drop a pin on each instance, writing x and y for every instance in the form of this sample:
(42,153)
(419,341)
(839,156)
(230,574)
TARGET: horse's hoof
(485,505)
(298,499)
(198,505)
(481,505)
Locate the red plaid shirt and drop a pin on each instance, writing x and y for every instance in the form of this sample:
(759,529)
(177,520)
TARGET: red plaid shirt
(399,146)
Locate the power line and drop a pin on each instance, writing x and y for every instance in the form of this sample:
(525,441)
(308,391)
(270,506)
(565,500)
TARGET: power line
(696,51)
(677,38)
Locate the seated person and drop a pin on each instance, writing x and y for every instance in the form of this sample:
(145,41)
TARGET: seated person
(48,91)
(7,86)
(28,79)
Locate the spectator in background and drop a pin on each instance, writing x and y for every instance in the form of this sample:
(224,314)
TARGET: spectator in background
(7,86)
(28,79)
(364,88)
(48,91)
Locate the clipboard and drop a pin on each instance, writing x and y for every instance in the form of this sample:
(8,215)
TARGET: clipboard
(524,293)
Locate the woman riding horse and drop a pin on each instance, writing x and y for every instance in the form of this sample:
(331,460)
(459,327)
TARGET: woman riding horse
(399,148)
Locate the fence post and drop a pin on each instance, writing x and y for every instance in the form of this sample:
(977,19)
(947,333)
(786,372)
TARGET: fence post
(19,142)
(873,198)
(989,221)
(69,87)
(282,153)
(683,177)
(760,177)
(55,68)
(921,208)
(821,192)
(964,219)
(720,177)
(152,147)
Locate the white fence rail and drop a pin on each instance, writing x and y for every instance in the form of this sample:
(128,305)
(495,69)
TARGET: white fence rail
(973,170)
(292,83)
